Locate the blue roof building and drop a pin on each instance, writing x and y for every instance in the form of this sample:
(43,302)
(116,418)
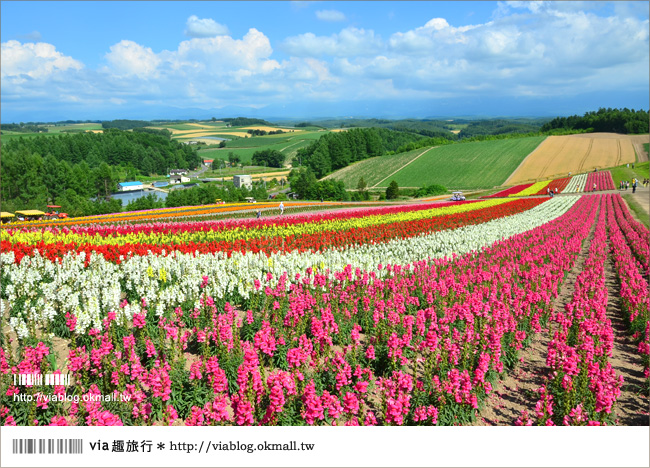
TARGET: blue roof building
(128,186)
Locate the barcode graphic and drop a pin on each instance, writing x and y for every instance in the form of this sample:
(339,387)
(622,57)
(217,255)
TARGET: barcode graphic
(37,379)
(67,446)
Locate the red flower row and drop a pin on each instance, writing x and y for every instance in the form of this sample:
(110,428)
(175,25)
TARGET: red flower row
(311,242)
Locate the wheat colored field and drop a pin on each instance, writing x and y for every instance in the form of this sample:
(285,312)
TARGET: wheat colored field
(559,155)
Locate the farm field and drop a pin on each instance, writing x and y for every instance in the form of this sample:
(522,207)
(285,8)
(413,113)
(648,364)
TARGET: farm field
(374,170)
(418,314)
(466,165)
(246,147)
(558,156)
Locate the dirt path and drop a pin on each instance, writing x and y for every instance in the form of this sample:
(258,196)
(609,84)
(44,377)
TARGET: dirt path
(631,407)
(637,142)
(517,392)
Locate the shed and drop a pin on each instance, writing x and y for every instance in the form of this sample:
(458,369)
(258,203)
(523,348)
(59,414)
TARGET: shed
(178,179)
(129,186)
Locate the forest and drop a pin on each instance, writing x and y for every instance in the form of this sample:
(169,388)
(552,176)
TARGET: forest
(336,150)
(68,170)
(626,121)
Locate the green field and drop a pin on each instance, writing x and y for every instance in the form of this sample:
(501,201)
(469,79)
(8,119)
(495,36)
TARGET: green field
(374,170)
(464,166)
(74,127)
(246,147)
(474,165)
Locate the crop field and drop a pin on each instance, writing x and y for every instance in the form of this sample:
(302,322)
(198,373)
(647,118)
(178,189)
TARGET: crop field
(466,165)
(558,156)
(246,147)
(374,170)
(529,311)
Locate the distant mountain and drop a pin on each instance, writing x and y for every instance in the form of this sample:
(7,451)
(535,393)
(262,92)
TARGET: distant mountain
(449,108)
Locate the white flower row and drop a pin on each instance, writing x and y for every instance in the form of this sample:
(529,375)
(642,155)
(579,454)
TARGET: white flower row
(169,281)
(576,184)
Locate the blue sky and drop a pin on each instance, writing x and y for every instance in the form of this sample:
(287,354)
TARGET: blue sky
(106,60)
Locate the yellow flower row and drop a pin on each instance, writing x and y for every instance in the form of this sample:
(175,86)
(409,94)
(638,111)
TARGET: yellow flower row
(243,233)
(532,190)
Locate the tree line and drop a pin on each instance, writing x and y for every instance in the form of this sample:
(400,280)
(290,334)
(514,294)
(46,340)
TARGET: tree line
(336,150)
(149,153)
(626,121)
(69,170)
(124,124)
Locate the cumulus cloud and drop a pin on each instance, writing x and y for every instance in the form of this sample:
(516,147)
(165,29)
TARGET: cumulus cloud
(525,49)
(34,60)
(330,15)
(206,27)
(349,42)
(224,53)
(130,58)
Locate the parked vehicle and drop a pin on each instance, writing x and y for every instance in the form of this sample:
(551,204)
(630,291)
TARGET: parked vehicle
(54,213)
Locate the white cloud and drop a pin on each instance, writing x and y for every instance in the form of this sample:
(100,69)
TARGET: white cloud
(547,49)
(130,58)
(34,60)
(221,53)
(349,42)
(206,27)
(330,15)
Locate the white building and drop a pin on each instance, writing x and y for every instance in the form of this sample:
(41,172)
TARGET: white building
(130,186)
(178,179)
(174,172)
(243,181)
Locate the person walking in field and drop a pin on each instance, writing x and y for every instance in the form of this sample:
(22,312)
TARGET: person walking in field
(594,186)
(281,208)
(634,186)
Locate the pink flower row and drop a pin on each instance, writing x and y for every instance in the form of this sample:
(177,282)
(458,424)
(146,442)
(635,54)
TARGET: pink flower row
(635,297)
(418,346)
(583,385)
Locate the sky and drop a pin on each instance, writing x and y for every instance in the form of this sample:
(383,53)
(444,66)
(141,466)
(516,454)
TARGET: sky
(294,59)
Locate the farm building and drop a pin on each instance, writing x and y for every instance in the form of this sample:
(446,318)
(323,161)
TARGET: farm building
(208,162)
(129,186)
(178,179)
(174,172)
(243,181)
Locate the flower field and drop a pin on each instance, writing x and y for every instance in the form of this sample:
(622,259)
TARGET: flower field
(575,184)
(394,315)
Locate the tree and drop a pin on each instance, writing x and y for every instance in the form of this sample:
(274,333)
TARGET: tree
(392,192)
(222,144)
(233,158)
(104,180)
(272,158)
(362,185)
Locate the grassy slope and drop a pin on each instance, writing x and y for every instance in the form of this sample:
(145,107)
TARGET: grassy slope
(467,165)
(640,171)
(373,170)
(458,166)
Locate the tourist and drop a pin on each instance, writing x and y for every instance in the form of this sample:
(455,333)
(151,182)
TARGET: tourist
(281,208)
(634,186)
